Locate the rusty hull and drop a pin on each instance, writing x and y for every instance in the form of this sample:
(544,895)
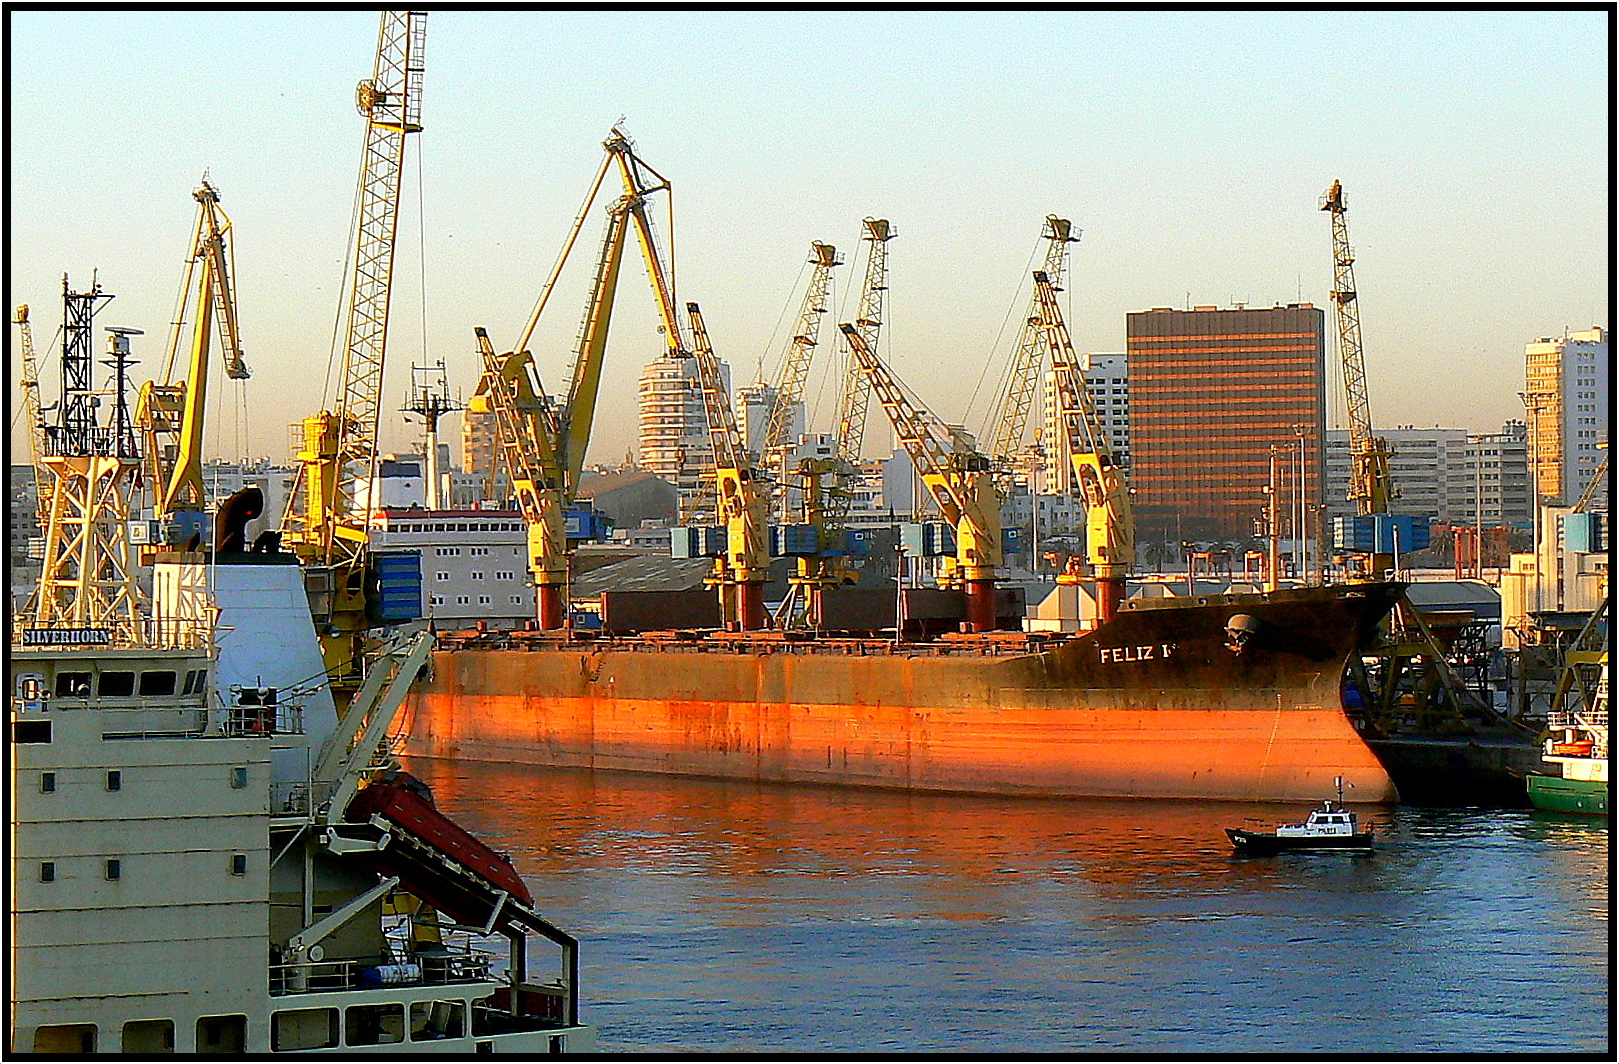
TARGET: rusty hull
(1163,701)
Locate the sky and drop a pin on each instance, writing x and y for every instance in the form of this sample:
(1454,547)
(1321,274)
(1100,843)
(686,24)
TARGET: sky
(1191,148)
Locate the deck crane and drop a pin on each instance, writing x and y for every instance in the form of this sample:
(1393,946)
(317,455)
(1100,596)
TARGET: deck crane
(1109,525)
(742,501)
(330,527)
(171,414)
(1026,356)
(961,482)
(541,443)
(1370,486)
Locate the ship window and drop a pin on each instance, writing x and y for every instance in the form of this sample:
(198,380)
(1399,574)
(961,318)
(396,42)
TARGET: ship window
(116,684)
(30,731)
(72,683)
(149,1036)
(221,1034)
(303,1029)
(115,868)
(47,782)
(65,1038)
(47,871)
(157,683)
(115,780)
(238,777)
(375,1025)
(437,1019)
(238,864)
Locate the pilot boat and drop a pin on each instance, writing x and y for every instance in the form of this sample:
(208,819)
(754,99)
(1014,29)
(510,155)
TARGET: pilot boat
(1333,827)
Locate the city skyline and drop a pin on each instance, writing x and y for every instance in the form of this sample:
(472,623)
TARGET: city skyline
(1189,147)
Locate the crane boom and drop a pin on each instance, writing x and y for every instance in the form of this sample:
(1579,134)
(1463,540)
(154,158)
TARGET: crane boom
(640,181)
(1110,525)
(960,481)
(32,408)
(1025,371)
(795,366)
(868,325)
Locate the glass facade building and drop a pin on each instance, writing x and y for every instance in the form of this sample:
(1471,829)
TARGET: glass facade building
(1211,391)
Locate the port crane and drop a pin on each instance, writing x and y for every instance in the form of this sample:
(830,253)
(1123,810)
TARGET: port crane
(1370,486)
(961,482)
(34,412)
(1109,524)
(741,492)
(171,414)
(856,396)
(542,441)
(329,526)
(1024,375)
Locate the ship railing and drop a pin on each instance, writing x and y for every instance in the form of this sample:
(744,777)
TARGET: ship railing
(299,798)
(253,721)
(427,967)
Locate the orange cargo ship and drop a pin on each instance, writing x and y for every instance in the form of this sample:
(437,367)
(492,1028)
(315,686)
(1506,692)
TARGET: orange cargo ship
(1221,696)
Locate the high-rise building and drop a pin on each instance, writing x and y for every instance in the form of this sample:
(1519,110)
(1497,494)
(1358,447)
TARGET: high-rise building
(1566,393)
(674,427)
(1487,479)
(753,406)
(1418,469)
(1210,392)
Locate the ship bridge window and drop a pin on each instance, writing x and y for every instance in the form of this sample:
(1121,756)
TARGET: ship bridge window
(149,1036)
(375,1025)
(116,684)
(196,679)
(295,1029)
(72,684)
(157,683)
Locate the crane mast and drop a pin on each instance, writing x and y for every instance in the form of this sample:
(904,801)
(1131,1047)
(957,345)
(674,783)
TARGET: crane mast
(1026,356)
(34,412)
(741,504)
(868,325)
(171,415)
(1370,486)
(960,481)
(1109,525)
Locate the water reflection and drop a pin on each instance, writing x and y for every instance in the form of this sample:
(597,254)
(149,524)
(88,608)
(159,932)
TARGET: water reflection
(732,916)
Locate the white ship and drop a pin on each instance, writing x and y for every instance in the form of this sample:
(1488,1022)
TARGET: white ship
(204,857)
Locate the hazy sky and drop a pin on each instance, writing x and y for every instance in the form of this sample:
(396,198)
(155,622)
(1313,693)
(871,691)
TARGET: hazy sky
(1190,147)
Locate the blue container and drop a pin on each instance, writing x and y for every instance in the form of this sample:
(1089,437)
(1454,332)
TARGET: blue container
(1584,533)
(1012,540)
(585,525)
(928,539)
(794,541)
(697,541)
(1380,533)
(399,585)
(857,541)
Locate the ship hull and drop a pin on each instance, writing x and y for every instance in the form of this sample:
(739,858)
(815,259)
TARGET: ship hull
(1557,794)
(1161,702)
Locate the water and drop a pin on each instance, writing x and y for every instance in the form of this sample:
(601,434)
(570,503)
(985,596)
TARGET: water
(736,917)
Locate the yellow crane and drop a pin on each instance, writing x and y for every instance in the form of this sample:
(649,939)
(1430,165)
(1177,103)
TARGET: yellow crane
(1024,375)
(330,523)
(34,412)
(742,499)
(1109,524)
(961,482)
(1370,486)
(171,414)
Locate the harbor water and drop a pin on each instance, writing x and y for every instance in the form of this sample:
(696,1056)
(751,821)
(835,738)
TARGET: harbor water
(722,916)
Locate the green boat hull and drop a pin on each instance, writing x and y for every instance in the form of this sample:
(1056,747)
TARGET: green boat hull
(1559,795)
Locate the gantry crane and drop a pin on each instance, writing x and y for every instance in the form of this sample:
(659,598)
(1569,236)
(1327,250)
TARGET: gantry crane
(330,525)
(961,482)
(742,497)
(171,414)
(1109,525)
(1024,377)
(1370,487)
